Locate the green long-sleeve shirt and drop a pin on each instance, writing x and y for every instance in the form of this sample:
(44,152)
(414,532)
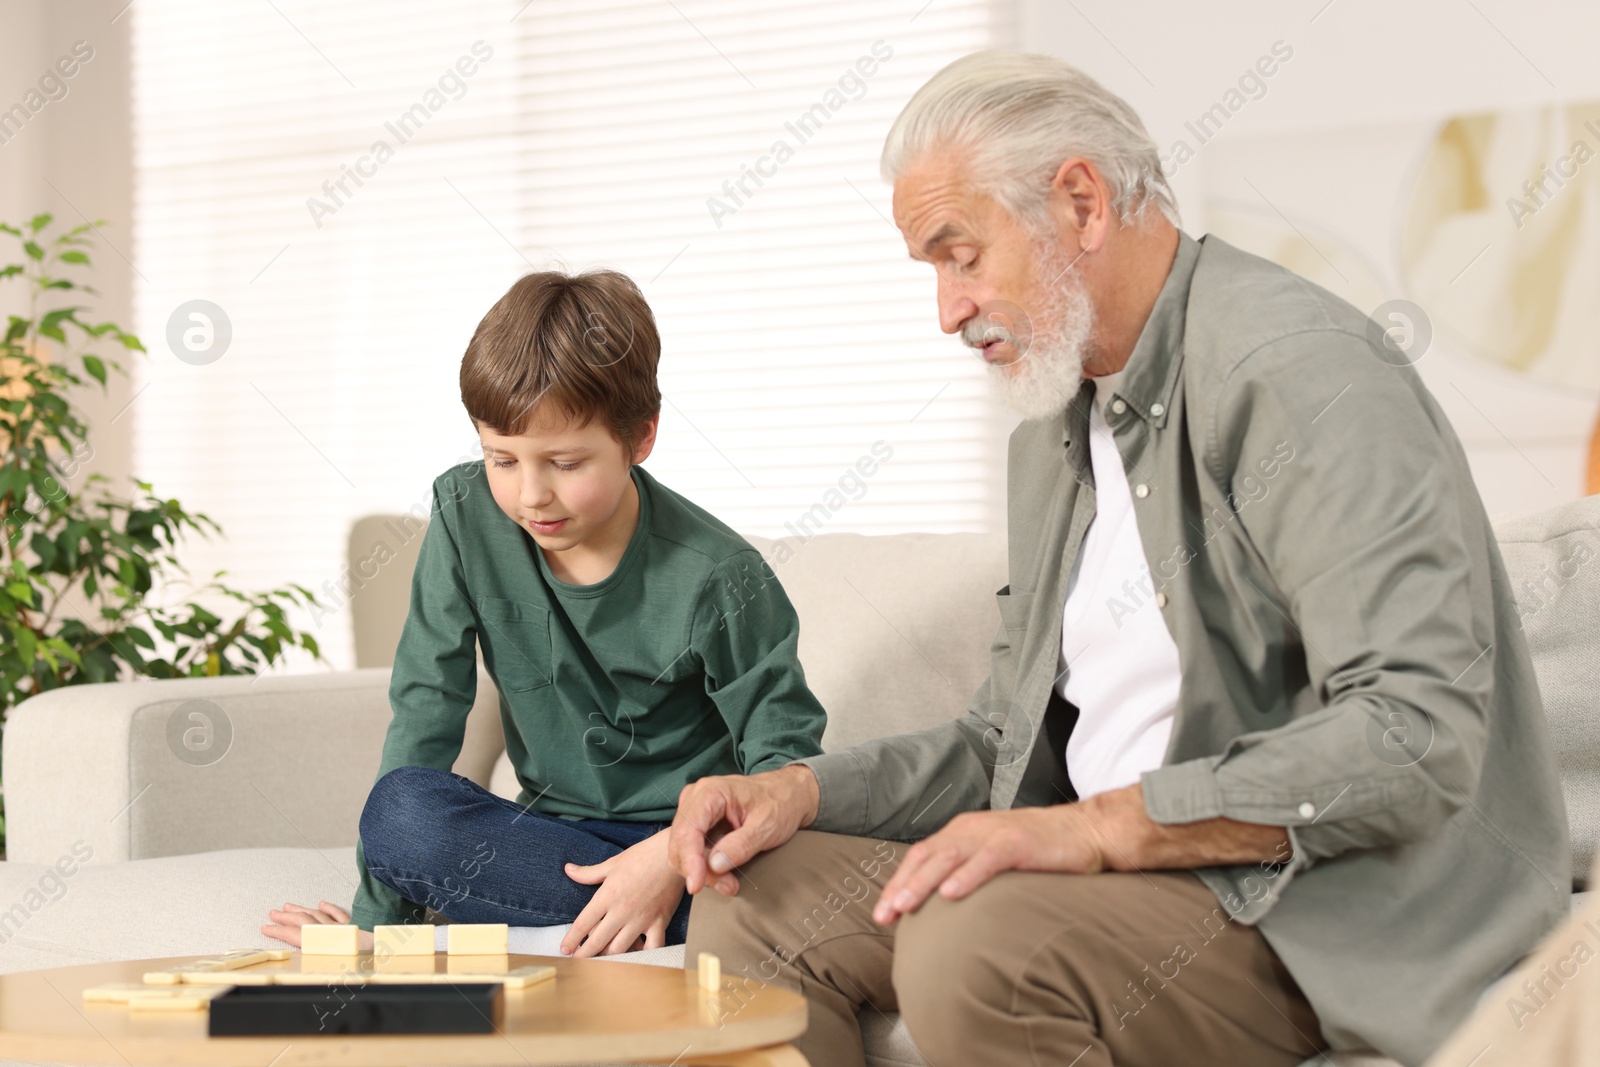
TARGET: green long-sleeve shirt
(680,664)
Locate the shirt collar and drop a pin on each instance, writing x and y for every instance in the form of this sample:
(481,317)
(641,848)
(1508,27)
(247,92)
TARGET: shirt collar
(1147,381)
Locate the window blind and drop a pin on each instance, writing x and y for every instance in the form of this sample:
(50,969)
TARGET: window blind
(351,186)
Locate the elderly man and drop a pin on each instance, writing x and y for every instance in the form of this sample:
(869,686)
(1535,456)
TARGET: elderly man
(1260,766)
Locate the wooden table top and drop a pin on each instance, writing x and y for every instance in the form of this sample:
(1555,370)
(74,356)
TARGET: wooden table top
(593,1011)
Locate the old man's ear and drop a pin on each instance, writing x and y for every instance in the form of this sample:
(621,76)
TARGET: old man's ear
(1080,201)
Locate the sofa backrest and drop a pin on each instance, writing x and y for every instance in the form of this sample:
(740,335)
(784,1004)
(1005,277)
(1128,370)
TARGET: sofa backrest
(1553,560)
(894,630)
(133,770)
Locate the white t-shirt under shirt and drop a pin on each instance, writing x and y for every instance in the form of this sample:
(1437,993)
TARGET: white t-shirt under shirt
(1119,664)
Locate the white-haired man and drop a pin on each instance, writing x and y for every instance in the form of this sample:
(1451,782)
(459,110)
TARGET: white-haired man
(1260,766)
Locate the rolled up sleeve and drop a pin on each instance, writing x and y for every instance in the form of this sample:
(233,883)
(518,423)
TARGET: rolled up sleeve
(1364,553)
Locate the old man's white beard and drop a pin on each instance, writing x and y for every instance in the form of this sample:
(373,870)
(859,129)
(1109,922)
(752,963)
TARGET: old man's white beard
(1050,370)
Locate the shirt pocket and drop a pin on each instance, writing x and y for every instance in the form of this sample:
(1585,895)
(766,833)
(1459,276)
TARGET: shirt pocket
(1014,609)
(1005,654)
(516,643)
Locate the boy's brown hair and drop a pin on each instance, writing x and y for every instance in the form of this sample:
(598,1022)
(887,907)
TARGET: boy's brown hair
(587,341)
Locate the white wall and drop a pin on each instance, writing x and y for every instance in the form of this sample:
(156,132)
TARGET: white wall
(1333,139)
(1359,61)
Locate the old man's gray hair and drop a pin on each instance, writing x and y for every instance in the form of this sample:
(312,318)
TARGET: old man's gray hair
(1017,117)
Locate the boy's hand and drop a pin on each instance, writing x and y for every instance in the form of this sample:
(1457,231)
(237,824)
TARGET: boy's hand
(293,916)
(637,897)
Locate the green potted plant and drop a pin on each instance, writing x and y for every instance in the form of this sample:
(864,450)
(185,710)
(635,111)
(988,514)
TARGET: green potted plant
(82,569)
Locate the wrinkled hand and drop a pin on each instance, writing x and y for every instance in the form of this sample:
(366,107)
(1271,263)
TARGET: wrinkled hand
(287,922)
(727,821)
(1110,831)
(637,897)
(977,845)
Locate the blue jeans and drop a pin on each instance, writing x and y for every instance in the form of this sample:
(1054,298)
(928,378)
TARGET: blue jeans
(444,842)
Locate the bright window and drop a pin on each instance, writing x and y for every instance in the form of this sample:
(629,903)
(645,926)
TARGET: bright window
(354,184)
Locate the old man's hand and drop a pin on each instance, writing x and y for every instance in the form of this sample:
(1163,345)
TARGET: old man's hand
(726,821)
(975,846)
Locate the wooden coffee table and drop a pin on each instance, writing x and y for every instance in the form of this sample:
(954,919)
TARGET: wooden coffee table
(594,1011)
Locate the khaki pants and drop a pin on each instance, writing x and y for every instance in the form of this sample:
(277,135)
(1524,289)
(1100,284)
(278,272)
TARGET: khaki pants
(1053,970)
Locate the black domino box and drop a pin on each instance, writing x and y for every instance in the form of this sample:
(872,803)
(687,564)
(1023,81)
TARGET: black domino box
(356,1009)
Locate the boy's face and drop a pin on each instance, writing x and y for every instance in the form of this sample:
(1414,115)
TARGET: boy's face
(567,485)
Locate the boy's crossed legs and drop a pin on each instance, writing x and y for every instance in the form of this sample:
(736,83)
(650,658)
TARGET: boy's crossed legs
(1031,968)
(442,841)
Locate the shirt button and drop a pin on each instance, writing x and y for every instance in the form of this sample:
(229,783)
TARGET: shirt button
(1161,600)
(1307,810)
(1157,410)
(1119,406)
(1141,490)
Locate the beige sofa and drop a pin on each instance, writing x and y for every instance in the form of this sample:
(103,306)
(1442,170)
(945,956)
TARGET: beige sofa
(195,826)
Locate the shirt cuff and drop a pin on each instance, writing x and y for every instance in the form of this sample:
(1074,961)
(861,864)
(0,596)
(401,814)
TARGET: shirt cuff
(1183,792)
(843,793)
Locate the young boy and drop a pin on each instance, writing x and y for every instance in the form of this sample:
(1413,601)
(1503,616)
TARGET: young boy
(637,644)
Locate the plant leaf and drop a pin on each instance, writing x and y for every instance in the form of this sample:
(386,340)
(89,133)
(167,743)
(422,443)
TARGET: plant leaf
(53,318)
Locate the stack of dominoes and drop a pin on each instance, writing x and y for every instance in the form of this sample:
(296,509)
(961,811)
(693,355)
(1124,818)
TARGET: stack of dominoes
(477,953)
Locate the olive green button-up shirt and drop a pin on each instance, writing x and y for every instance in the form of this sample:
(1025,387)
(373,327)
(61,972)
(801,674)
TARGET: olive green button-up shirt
(1353,666)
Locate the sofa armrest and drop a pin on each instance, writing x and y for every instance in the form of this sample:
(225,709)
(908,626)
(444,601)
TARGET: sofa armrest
(163,768)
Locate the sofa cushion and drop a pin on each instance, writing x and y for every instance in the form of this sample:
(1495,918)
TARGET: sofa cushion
(198,904)
(1553,560)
